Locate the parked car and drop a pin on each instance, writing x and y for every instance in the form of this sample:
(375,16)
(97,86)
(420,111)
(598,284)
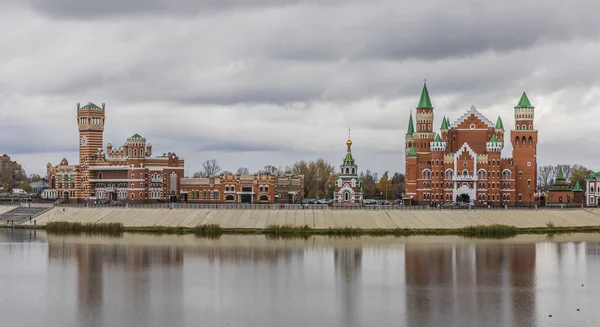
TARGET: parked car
(369,202)
(456,205)
(383,202)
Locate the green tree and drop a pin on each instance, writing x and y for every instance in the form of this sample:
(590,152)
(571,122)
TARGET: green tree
(369,184)
(578,175)
(384,185)
(317,177)
(398,185)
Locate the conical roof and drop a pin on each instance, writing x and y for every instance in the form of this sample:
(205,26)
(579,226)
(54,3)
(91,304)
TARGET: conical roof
(560,175)
(524,102)
(494,139)
(577,187)
(438,139)
(499,125)
(411,152)
(424,102)
(411,128)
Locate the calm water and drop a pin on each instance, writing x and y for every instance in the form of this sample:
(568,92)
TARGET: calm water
(143,280)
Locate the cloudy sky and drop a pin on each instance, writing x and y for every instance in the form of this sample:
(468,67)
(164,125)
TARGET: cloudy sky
(257,82)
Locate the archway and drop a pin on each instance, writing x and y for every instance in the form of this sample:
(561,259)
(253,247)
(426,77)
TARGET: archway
(346,196)
(463,198)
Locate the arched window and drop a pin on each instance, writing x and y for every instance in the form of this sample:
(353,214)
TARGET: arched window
(523,140)
(100,175)
(530,126)
(129,152)
(529,183)
(264,198)
(523,126)
(493,197)
(346,196)
(530,140)
(493,185)
(226,188)
(517,140)
(229,197)
(135,152)
(517,127)
(260,188)
(520,174)
(465,173)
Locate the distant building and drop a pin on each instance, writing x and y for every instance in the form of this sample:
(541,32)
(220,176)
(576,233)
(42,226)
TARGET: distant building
(592,187)
(243,189)
(8,165)
(561,193)
(39,186)
(348,184)
(463,161)
(126,173)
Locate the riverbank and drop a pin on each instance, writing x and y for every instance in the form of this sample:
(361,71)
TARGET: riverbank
(253,219)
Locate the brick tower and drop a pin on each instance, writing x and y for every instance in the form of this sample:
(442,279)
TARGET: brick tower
(524,140)
(90,120)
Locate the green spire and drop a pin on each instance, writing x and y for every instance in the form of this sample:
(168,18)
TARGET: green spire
(447,123)
(411,152)
(577,187)
(494,139)
(438,139)
(560,175)
(424,102)
(524,102)
(444,123)
(499,125)
(411,128)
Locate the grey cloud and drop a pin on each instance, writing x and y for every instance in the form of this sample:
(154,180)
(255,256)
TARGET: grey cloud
(85,9)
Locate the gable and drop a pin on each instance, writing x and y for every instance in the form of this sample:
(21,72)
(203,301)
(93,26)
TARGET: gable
(464,150)
(472,117)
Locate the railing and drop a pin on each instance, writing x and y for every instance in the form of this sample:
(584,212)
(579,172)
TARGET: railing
(277,206)
(156,180)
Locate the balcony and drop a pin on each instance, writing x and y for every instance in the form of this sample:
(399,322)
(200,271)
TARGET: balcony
(465,178)
(156,179)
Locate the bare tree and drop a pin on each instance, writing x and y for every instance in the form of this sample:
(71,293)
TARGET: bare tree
(243,171)
(545,177)
(209,168)
(268,170)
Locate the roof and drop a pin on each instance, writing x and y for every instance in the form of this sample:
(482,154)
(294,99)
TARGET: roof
(560,175)
(90,105)
(577,187)
(444,123)
(412,152)
(499,124)
(437,138)
(425,102)
(411,127)
(494,139)
(524,102)
(472,111)
(136,136)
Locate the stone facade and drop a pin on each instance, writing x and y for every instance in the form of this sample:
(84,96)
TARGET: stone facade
(348,184)
(243,189)
(7,165)
(463,162)
(126,173)
(592,190)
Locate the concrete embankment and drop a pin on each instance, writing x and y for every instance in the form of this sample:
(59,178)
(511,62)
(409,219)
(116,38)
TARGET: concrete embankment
(322,219)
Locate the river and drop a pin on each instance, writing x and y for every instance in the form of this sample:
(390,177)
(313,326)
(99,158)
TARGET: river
(252,280)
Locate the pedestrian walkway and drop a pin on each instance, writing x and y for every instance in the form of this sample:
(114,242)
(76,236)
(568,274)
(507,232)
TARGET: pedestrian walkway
(323,219)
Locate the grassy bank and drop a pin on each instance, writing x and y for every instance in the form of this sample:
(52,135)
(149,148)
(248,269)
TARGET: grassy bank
(283,231)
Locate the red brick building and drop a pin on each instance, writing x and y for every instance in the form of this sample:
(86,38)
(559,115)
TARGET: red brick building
(462,162)
(125,173)
(243,189)
(561,192)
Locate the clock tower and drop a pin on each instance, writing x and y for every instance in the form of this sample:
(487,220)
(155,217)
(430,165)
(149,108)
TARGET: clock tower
(90,120)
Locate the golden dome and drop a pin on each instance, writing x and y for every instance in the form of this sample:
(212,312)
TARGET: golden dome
(349,142)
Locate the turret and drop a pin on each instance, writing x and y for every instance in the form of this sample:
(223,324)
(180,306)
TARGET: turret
(444,129)
(410,131)
(424,120)
(524,114)
(499,130)
(494,145)
(438,145)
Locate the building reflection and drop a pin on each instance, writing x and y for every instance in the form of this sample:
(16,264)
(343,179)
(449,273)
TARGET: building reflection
(254,255)
(348,265)
(100,270)
(447,283)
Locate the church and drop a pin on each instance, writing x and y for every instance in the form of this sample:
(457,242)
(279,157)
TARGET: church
(348,184)
(462,161)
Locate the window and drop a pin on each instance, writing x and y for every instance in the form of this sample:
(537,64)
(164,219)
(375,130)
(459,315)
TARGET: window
(523,126)
(226,188)
(260,188)
(465,173)
(100,175)
(132,185)
(129,152)
(266,188)
(216,195)
(521,197)
(264,198)
(523,140)
(530,140)
(529,183)
(520,174)
(132,177)
(229,197)
(135,152)
(141,175)
(132,196)
(517,139)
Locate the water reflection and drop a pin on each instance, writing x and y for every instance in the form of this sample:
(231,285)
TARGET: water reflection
(254,281)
